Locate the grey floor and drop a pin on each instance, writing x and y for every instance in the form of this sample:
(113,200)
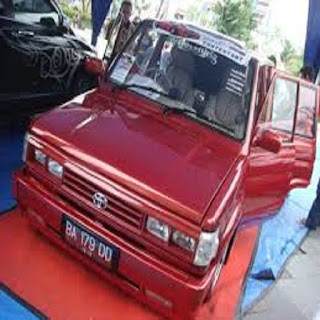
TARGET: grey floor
(296,295)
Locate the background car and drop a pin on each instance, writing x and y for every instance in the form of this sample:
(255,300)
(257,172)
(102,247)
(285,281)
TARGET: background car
(42,63)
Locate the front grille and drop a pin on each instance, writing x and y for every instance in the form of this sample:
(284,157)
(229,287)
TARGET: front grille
(117,209)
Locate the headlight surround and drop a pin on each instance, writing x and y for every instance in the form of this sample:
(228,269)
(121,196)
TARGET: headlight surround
(207,248)
(55,168)
(40,157)
(158,228)
(183,241)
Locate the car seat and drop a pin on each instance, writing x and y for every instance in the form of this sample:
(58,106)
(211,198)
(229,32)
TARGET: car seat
(225,109)
(179,73)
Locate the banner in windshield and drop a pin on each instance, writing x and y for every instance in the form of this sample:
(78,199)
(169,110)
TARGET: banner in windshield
(214,43)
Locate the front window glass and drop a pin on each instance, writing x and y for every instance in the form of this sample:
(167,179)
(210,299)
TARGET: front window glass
(306,112)
(284,105)
(188,69)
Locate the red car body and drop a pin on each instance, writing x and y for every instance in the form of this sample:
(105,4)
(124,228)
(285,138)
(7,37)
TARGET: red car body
(171,167)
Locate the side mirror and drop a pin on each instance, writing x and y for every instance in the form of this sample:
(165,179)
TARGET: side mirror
(48,22)
(268,140)
(94,66)
(65,24)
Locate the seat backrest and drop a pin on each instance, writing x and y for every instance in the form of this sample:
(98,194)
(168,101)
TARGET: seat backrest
(180,72)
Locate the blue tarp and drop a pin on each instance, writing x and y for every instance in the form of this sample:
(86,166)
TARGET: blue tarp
(11,309)
(99,11)
(11,143)
(312,46)
(279,238)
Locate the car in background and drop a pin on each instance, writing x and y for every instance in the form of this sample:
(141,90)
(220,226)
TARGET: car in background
(42,63)
(148,178)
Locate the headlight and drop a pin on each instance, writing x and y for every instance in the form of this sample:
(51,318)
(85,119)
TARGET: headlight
(183,241)
(25,147)
(40,156)
(158,228)
(55,168)
(207,248)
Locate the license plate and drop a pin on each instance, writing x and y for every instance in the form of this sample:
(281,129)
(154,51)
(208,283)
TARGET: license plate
(90,244)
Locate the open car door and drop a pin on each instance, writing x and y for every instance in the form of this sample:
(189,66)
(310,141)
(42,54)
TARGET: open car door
(272,154)
(283,146)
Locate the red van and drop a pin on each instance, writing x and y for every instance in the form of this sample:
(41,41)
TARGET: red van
(148,178)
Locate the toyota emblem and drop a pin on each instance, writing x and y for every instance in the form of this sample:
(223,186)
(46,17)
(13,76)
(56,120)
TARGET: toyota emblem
(100,200)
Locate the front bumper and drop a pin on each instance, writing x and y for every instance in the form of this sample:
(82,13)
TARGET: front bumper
(170,291)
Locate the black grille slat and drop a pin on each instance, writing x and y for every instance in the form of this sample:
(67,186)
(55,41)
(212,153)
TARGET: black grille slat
(123,216)
(128,210)
(116,208)
(75,188)
(80,181)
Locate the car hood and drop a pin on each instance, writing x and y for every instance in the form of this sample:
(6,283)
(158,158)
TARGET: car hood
(166,159)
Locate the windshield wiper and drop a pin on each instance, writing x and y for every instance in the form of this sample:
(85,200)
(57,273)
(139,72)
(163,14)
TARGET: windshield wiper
(169,109)
(171,95)
(137,86)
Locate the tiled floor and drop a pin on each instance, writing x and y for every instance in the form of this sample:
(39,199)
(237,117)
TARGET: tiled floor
(296,295)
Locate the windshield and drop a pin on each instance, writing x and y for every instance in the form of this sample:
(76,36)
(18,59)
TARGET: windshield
(188,68)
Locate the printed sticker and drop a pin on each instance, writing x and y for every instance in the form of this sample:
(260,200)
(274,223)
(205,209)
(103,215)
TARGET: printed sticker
(122,69)
(200,51)
(236,82)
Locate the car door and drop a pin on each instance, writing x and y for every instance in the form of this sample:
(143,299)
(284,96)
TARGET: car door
(270,172)
(305,135)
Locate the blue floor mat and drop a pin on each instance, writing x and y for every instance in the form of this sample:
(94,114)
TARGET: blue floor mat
(12,308)
(11,144)
(279,238)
